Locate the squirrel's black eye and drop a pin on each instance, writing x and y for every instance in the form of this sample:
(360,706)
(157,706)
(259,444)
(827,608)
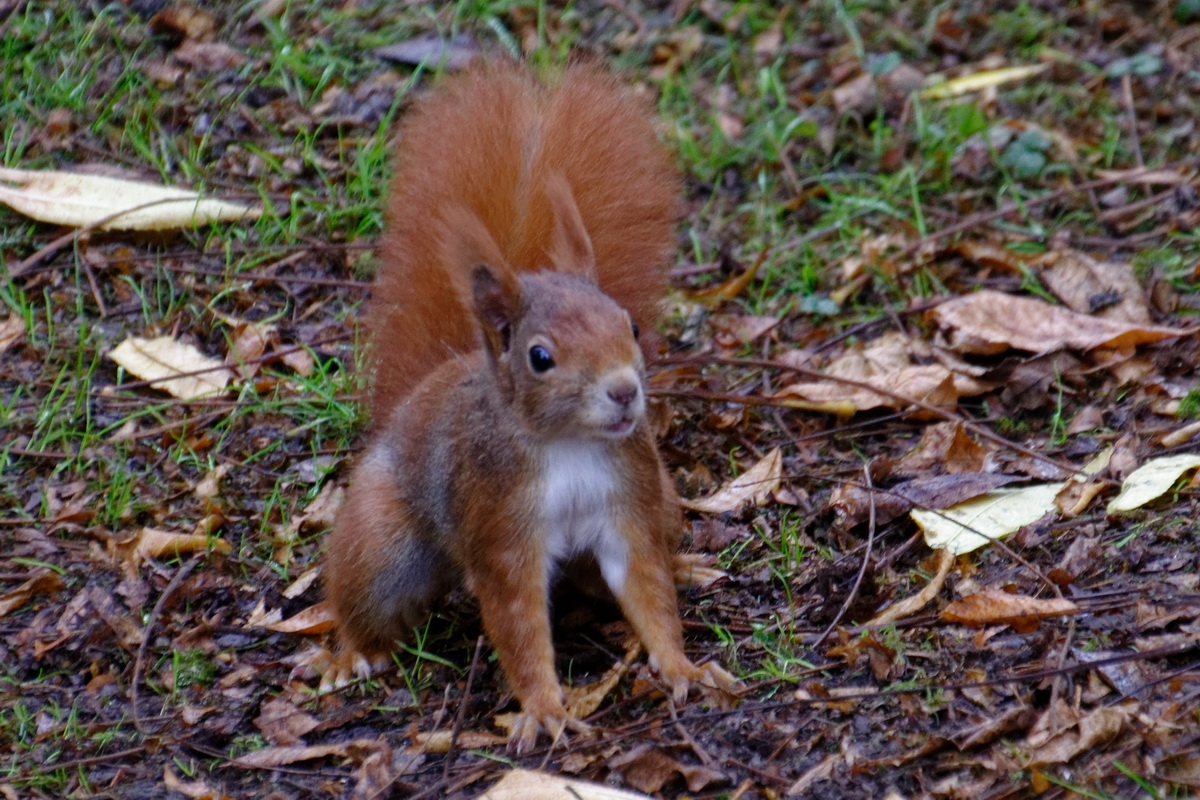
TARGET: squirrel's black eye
(540,358)
(636,332)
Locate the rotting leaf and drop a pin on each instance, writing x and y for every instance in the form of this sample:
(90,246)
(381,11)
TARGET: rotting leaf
(1093,728)
(1152,480)
(12,331)
(40,581)
(170,365)
(282,723)
(1021,612)
(79,200)
(755,485)
(970,525)
(989,322)
(1107,289)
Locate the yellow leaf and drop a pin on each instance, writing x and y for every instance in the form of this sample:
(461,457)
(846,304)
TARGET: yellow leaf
(977,81)
(970,525)
(172,366)
(1152,480)
(79,200)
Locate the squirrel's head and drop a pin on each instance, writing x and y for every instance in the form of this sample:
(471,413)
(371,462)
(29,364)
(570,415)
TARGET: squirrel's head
(565,354)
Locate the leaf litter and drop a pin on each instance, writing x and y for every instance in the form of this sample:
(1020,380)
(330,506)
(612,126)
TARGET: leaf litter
(983,385)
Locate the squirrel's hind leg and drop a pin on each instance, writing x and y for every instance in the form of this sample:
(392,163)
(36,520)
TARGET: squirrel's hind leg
(382,573)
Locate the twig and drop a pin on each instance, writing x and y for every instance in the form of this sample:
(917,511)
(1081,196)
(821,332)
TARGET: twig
(949,416)
(462,709)
(982,218)
(866,559)
(139,660)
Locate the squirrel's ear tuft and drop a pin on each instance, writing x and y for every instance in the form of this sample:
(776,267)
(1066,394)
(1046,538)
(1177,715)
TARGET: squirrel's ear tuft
(496,298)
(571,251)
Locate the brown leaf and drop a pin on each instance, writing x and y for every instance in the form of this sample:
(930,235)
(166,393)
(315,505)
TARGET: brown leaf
(647,768)
(755,485)
(1094,728)
(12,331)
(274,757)
(41,581)
(154,543)
(185,21)
(455,53)
(945,447)
(1001,608)
(208,56)
(198,790)
(316,619)
(1107,289)
(990,322)
(282,723)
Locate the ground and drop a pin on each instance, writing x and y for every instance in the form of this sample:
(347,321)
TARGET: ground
(1012,264)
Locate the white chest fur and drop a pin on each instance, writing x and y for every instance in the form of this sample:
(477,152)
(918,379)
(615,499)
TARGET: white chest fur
(578,508)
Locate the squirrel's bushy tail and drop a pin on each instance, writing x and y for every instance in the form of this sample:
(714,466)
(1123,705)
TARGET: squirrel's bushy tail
(475,161)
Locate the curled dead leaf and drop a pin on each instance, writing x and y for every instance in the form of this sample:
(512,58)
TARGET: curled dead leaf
(316,619)
(155,543)
(1001,608)
(755,485)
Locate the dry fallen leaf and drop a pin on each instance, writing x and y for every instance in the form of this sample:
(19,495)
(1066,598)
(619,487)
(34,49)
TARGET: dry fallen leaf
(435,742)
(521,784)
(1152,480)
(80,200)
(1001,608)
(154,543)
(990,322)
(1093,728)
(172,366)
(12,331)
(755,485)
(281,722)
(970,525)
(197,790)
(893,363)
(274,757)
(41,581)
(1107,289)
(316,619)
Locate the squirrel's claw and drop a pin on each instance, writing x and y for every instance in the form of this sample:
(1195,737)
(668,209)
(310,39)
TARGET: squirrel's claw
(526,726)
(714,682)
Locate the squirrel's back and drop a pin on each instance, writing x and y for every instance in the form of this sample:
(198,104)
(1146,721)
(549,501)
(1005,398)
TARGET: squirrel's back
(478,159)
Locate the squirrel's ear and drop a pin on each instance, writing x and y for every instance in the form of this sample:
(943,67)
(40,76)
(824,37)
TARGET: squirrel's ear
(571,251)
(496,298)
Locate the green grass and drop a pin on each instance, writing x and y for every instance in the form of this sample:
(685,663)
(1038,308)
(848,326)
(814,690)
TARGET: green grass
(801,184)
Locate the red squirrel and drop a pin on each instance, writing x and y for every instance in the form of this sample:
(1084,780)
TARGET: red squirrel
(529,230)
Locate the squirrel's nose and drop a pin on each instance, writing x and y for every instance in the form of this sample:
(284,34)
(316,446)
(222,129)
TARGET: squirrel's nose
(624,394)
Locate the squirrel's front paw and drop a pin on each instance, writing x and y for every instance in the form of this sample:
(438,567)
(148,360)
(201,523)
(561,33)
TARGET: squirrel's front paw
(717,685)
(336,671)
(551,717)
